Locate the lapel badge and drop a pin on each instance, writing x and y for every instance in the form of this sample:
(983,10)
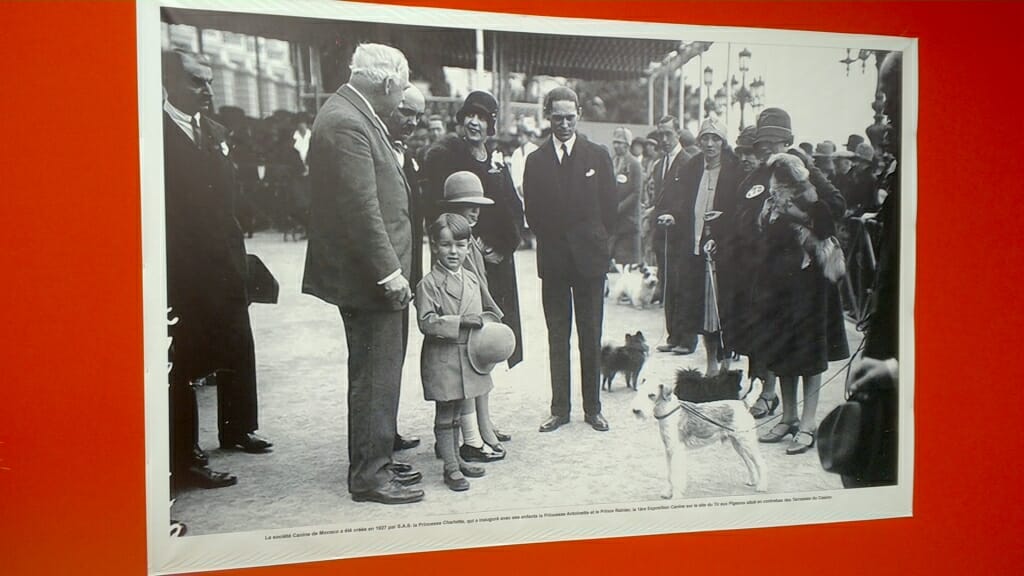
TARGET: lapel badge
(755,191)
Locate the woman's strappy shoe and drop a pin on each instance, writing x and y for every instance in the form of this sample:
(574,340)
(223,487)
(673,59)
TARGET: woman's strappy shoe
(779,432)
(802,441)
(764,407)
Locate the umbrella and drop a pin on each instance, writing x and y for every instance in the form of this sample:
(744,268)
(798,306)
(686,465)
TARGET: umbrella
(712,318)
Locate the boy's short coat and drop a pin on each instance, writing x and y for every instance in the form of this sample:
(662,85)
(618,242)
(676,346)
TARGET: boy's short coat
(441,302)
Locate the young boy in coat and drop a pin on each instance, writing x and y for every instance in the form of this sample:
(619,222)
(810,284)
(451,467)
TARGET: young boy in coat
(464,195)
(450,301)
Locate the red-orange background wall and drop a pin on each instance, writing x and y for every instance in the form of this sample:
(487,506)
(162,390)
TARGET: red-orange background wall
(72,495)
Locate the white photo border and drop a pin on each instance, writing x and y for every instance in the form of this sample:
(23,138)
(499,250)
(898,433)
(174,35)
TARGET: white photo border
(259,548)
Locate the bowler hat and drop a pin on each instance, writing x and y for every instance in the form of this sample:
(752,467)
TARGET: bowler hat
(745,141)
(480,101)
(465,188)
(622,134)
(774,124)
(853,140)
(492,343)
(865,152)
(824,149)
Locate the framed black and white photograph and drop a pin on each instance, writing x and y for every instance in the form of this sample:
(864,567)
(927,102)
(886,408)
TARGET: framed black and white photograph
(423,279)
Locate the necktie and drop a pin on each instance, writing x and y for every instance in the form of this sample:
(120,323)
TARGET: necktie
(196,135)
(565,153)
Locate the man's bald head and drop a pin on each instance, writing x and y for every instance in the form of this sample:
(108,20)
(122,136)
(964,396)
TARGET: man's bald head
(402,122)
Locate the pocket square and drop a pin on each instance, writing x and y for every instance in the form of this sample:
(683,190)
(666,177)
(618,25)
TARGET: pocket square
(590,173)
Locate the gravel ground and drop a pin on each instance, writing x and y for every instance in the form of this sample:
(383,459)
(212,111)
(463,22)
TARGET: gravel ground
(301,361)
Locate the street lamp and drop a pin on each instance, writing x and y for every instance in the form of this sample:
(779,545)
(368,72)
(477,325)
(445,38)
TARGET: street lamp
(709,104)
(744,94)
(877,129)
(757,87)
(721,100)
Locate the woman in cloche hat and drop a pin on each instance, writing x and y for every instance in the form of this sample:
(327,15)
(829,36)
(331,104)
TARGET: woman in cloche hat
(497,229)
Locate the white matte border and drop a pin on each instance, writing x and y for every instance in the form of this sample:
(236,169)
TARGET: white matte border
(311,543)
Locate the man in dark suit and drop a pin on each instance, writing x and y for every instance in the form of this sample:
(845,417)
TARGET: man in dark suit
(666,184)
(206,276)
(358,256)
(571,205)
(401,124)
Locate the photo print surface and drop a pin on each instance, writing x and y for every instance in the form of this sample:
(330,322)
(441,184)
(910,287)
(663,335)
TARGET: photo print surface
(420,279)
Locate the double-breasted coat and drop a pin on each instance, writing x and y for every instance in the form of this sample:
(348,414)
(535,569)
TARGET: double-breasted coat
(442,299)
(791,317)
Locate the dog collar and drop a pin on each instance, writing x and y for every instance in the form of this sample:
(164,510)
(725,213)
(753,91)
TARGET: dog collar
(670,412)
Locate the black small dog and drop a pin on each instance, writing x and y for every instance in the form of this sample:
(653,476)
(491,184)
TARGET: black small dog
(692,386)
(628,359)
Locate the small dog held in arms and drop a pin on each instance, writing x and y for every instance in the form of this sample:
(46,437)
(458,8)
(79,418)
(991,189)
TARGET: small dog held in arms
(792,195)
(699,411)
(638,283)
(628,359)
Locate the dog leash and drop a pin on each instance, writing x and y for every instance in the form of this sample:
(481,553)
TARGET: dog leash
(844,368)
(681,405)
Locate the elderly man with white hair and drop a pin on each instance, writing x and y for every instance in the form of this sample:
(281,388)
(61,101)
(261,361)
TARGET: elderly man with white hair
(358,259)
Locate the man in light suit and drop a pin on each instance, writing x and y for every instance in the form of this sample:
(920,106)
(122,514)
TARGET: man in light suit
(358,258)
(571,204)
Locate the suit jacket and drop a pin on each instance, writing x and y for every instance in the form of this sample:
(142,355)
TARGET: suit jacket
(206,265)
(360,229)
(441,302)
(571,209)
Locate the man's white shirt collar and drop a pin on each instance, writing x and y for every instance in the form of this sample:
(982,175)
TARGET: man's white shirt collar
(184,121)
(569,144)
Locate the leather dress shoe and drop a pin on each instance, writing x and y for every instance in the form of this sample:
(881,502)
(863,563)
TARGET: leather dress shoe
(664,347)
(471,454)
(682,350)
(199,456)
(204,477)
(407,478)
(390,493)
(400,467)
(501,436)
(471,471)
(247,442)
(597,422)
(553,423)
(456,481)
(405,443)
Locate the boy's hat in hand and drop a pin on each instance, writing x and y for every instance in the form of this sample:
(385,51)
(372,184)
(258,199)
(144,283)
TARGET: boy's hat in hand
(465,188)
(489,345)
